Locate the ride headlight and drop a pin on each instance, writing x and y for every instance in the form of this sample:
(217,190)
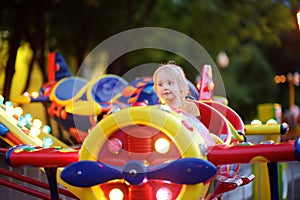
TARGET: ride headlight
(116,194)
(162,145)
(114,146)
(163,193)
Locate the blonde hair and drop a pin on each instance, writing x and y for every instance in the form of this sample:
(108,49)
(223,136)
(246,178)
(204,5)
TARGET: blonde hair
(176,73)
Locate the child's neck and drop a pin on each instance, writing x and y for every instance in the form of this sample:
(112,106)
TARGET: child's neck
(175,104)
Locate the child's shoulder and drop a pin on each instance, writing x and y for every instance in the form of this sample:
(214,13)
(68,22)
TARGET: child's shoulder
(191,107)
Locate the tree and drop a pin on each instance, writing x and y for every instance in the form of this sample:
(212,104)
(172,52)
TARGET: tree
(26,24)
(74,28)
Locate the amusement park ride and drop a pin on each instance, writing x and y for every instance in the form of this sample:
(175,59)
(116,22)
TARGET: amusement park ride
(130,147)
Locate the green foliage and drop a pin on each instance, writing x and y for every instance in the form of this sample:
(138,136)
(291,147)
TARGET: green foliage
(249,81)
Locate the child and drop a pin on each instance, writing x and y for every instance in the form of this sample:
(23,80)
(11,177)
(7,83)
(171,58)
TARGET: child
(172,88)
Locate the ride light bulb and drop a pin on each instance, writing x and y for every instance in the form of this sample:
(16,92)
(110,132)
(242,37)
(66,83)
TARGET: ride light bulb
(18,111)
(114,146)
(271,122)
(163,193)
(47,142)
(37,123)
(28,117)
(22,122)
(162,145)
(256,122)
(26,94)
(46,129)
(35,94)
(116,194)
(34,132)
(9,108)
(1,99)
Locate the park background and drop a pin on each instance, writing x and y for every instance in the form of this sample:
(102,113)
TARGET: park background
(261,39)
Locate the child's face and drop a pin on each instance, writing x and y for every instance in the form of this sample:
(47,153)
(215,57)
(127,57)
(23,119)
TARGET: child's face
(167,86)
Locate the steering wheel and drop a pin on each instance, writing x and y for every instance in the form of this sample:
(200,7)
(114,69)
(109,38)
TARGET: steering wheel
(139,151)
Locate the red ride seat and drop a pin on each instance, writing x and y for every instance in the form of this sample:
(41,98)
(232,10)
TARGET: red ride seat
(215,122)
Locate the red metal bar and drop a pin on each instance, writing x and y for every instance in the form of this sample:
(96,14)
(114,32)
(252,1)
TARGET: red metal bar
(3,150)
(34,182)
(41,157)
(13,138)
(25,189)
(276,152)
(51,66)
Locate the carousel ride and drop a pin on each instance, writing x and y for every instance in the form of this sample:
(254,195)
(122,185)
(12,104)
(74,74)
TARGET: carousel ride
(130,147)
